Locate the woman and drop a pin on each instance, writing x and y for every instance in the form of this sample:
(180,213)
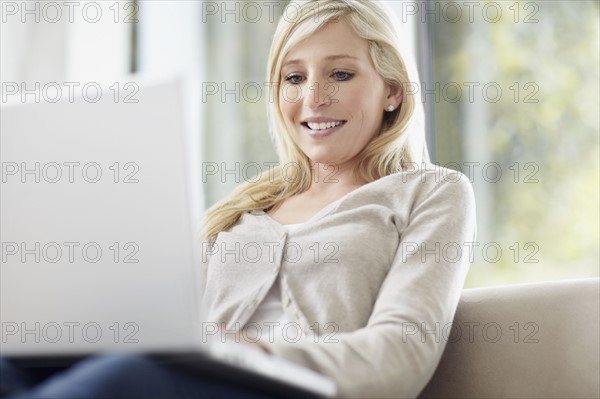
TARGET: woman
(396,233)
(349,243)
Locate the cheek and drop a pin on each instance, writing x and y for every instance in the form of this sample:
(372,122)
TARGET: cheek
(365,110)
(368,118)
(364,96)
(289,98)
(370,107)
(288,109)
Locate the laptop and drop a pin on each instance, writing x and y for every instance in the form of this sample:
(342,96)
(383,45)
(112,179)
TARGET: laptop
(98,250)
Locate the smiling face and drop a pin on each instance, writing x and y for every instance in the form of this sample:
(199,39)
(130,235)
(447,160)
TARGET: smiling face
(331,97)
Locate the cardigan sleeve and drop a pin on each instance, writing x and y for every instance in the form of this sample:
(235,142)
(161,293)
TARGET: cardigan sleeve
(398,350)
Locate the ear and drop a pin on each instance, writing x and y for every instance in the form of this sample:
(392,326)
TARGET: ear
(394,97)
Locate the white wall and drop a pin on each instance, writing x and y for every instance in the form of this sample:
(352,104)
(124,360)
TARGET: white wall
(46,42)
(41,43)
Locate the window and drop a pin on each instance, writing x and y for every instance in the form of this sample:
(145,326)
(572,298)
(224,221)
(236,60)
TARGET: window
(515,100)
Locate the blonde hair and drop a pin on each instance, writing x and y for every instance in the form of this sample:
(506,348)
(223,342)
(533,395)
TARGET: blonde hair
(400,142)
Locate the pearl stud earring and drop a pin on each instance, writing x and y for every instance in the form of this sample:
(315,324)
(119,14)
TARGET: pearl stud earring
(390,108)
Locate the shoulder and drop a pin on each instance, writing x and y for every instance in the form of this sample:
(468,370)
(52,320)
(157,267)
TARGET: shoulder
(427,188)
(425,181)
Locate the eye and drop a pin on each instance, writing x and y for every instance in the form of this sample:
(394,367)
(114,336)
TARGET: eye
(294,79)
(342,75)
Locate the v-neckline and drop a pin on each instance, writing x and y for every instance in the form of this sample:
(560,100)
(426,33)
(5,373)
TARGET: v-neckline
(327,209)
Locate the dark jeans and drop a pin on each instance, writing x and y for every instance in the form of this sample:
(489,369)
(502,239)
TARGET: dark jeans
(113,376)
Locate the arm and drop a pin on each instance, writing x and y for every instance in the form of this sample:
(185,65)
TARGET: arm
(396,353)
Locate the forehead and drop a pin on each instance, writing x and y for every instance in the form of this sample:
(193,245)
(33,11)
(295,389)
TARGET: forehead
(336,37)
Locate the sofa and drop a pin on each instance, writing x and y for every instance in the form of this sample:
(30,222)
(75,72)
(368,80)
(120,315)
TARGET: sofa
(537,340)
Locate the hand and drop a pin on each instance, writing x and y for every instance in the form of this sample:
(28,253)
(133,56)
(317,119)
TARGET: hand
(253,343)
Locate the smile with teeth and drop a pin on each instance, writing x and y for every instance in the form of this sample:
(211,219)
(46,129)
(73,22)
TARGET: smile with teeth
(323,125)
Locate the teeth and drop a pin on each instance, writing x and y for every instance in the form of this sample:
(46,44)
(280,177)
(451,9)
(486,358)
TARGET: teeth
(323,125)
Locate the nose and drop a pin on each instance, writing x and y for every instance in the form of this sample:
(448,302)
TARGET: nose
(317,93)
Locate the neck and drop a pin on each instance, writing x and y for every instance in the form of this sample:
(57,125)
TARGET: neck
(332,177)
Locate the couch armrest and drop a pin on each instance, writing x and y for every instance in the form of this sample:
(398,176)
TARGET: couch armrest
(536,340)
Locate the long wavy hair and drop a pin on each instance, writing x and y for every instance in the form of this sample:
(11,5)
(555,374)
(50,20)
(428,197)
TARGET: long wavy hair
(399,144)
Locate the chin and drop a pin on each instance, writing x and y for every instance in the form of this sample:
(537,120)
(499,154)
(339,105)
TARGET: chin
(322,158)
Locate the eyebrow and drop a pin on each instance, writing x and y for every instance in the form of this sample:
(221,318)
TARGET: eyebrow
(328,58)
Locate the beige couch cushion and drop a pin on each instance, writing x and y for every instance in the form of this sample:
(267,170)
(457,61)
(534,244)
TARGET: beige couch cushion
(522,341)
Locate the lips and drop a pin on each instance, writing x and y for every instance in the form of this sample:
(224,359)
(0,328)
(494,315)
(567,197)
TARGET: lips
(321,127)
